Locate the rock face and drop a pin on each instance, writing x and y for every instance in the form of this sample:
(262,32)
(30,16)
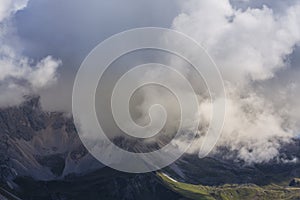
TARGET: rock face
(41,157)
(295,182)
(42,145)
(106,184)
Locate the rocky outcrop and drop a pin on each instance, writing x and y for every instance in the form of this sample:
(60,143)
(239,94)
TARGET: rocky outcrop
(41,157)
(295,182)
(39,144)
(105,184)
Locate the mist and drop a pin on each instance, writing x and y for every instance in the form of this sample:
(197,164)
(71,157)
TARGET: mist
(256,50)
(254,44)
(251,47)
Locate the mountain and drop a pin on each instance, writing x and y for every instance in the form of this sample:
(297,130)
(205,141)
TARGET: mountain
(42,145)
(231,191)
(105,183)
(42,158)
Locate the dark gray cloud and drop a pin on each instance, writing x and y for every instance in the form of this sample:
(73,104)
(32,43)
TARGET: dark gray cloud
(70,29)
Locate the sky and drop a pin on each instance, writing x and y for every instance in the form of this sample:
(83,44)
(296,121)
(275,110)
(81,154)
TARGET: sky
(69,31)
(254,43)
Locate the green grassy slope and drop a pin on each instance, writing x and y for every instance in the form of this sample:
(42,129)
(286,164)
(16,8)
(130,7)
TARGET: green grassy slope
(231,192)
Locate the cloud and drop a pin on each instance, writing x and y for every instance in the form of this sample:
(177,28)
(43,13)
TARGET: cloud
(252,128)
(20,75)
(249,46)
(252,43)
(59,31)
(9,7)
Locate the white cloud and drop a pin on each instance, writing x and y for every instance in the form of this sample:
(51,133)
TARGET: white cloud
(249,46)
(9,7)
(19,75)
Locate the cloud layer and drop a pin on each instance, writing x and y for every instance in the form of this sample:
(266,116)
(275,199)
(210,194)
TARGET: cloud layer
(249,46)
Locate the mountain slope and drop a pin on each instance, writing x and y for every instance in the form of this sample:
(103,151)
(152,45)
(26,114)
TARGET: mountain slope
(231,192)
(103,184)
(42,145)
(42,158)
